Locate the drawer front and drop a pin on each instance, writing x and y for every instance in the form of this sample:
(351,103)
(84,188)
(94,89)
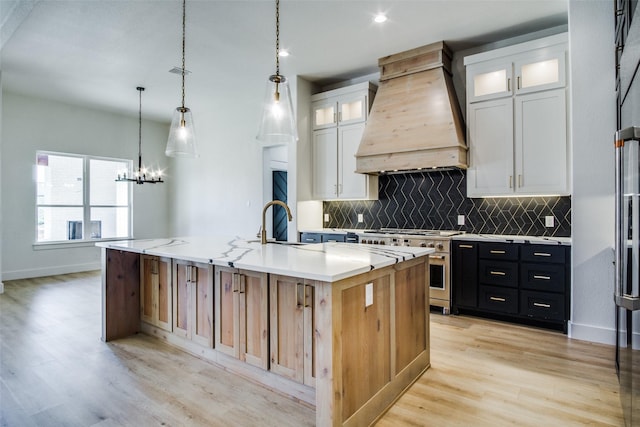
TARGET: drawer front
(499,251)
(542,277)
(542,305)
(334,237)
(310,238)
(502,273)
(543,253)
(503,300)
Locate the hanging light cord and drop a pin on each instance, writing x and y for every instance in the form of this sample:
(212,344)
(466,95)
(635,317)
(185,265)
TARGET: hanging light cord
(140,89)
(277,37)
(184,14)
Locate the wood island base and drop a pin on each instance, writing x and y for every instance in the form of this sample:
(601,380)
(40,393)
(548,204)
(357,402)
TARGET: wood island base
(348,348)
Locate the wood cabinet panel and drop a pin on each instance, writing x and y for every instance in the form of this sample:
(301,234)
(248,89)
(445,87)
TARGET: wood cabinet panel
(410,304)
(120,294)
(366,350)
(287,327)
(193,301)
(241,301)
(156,291)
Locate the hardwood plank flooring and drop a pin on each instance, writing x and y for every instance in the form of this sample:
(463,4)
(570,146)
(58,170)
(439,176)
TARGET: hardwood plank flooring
(55,371)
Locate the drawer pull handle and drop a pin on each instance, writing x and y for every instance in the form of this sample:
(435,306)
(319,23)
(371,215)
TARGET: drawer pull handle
(499,299)
(466,246)
(541,254)
(498,273)
(309,240)
(497,252)
(537,276)
(539,304)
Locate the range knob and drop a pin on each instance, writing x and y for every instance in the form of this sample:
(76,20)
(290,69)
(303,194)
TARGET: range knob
(382,242)
(423,245)
(440,246)
(375,242)
(431,245)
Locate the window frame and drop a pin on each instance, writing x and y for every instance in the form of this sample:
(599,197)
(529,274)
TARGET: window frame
(86,203)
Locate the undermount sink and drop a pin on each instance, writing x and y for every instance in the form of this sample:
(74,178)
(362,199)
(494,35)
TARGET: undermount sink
(277,242)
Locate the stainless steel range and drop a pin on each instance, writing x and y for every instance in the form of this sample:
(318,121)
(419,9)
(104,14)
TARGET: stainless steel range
(439,267)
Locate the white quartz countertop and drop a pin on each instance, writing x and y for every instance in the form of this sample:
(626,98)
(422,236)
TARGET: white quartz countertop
(504,238)
(327,262)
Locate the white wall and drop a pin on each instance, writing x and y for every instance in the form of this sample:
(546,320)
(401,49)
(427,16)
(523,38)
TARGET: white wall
(30,124)
(223,191)
(593,121)
(1,239)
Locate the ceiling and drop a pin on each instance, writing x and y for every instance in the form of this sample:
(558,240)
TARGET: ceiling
(95,52)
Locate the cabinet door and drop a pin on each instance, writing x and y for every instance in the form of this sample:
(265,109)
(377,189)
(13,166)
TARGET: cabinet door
(202,303)
(325,164)
(541,143)
(465,274)
(324,114)
(288,299)
(254,318)
(181,298)
(491,148)
(541,70)
(352,108)
(155,291)
(351,185)
(489,81)
(242,315)
(227,324)
(193,305)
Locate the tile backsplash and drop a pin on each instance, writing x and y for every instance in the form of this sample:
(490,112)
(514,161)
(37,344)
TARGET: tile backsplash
(433,200)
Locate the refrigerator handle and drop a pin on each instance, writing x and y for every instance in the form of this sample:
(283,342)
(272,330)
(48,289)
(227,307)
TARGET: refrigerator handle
(621,297)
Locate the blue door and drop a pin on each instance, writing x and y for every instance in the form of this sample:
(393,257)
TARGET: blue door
(279,214)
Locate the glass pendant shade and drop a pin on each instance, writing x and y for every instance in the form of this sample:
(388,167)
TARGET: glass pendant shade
(277,125)
(182,141)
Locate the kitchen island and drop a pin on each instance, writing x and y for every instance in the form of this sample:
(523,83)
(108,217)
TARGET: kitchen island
(343,327)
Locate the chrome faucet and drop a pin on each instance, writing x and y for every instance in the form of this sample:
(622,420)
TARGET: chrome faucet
(264,213)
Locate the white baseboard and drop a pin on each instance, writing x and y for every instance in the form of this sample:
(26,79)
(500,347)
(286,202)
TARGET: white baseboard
(49,271)
(592,333)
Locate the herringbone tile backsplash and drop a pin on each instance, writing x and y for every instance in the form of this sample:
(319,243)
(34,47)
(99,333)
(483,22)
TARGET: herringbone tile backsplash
(434,200)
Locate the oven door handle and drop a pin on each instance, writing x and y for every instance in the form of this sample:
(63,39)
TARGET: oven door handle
(436,257)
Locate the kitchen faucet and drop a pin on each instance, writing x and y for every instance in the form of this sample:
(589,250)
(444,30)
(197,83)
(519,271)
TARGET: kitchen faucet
(264,212)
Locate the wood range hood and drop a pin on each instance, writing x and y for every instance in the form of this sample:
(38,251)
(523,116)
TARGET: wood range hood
(415,122)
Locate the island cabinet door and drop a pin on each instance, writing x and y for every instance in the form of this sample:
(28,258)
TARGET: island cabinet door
(291,328)
(241,310)
(192,301)
(155,291)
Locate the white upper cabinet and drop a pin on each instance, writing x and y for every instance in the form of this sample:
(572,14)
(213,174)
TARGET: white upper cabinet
(517,120)
(489,81)
(339,118)
(541,70)
(338,107)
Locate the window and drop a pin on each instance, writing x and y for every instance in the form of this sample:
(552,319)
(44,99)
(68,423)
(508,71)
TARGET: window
(78,199)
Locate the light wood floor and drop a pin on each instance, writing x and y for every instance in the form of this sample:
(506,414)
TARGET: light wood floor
(55,371)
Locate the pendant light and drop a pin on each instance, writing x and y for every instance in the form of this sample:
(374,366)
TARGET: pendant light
(142,175)
(182,142)
(278,124)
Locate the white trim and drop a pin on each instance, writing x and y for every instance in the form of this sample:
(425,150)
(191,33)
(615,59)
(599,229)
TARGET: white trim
(592,333)
(50,271)
(1,288)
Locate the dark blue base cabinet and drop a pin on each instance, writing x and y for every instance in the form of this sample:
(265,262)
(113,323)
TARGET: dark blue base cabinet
(517,282)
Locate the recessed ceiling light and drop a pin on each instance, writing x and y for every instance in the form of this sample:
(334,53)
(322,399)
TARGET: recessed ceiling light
(283,53)
(380,18)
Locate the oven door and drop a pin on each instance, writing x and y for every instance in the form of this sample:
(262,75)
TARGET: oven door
(439,281)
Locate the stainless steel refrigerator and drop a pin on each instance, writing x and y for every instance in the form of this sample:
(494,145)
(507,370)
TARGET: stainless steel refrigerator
(627,289)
